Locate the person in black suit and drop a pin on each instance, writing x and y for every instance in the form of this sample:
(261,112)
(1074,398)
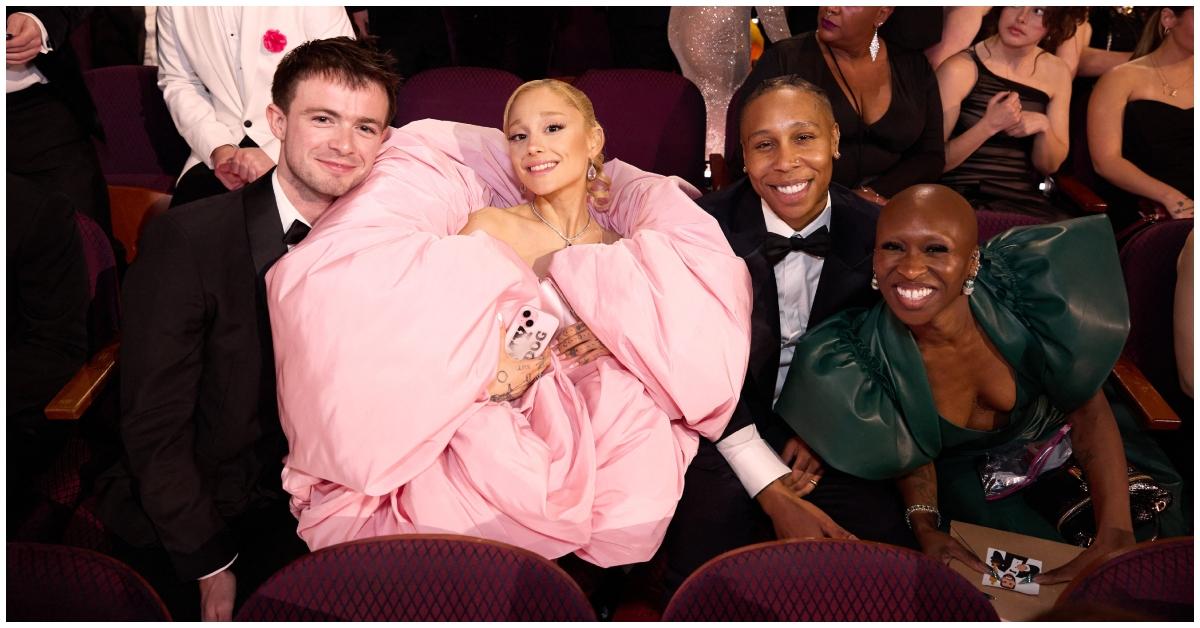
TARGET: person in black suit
(47,340)
(200,424)
(51,118)
(807,244)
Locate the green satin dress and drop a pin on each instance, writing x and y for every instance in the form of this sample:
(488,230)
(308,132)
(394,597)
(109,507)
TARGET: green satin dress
(1052,301)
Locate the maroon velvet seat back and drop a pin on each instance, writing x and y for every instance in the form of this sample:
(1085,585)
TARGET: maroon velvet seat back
(652,119)
(419,578)
(459,94)
(1148,263)
(142,148)
(1152,579)
(104,313)
(992,224)
(826,581)
(60,583)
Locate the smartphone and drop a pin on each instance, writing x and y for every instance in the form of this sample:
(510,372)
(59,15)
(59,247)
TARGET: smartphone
(530,333)
(554,303)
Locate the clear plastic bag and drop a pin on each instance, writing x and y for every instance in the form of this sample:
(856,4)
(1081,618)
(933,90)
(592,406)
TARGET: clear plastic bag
(1007,469)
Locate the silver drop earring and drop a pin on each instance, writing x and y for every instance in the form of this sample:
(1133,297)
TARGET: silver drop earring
(874,47)
(874,282)
(591,172)
(969,285)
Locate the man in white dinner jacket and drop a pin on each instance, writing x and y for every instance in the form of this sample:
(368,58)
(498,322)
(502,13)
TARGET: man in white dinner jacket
(215,66)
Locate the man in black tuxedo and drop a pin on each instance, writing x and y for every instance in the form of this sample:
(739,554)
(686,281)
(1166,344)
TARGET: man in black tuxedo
(807,245)
(47,306)
(51,117)
(200,424)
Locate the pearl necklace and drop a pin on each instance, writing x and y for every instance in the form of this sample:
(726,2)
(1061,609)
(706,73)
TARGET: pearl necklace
(571,240)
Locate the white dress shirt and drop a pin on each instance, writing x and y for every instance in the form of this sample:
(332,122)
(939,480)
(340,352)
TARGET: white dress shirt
(287,211)
(796,277)
(18,77)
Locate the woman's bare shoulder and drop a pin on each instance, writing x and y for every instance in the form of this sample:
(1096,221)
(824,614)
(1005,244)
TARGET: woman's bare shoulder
(1057,72)
(492,220)
(1122,80)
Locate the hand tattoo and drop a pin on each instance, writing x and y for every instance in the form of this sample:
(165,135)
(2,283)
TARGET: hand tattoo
(506,396)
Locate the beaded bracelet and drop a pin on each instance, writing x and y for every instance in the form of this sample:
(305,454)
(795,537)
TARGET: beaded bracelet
(921,508)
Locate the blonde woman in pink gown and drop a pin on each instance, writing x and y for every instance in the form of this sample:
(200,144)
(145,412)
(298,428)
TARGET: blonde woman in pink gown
(386,322)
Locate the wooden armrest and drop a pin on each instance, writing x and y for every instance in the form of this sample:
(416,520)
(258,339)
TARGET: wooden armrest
(1152,411)
(1081,195)
(78,394)
(718,170)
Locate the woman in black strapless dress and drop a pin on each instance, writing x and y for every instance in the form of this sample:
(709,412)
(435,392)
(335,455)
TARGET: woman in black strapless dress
(1005,103)
(1140,120)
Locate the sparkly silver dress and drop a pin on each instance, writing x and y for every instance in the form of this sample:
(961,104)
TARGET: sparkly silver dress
(712,45)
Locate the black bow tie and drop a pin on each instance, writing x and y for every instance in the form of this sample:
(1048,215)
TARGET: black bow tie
(296,233)
(816,244)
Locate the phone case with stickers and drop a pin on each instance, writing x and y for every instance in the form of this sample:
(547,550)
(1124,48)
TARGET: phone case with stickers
(530,333)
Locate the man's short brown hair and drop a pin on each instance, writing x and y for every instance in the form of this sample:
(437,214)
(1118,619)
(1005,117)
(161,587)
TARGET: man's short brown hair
(352,63)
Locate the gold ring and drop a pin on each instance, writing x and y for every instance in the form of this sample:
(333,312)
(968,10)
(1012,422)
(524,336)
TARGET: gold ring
(812,481)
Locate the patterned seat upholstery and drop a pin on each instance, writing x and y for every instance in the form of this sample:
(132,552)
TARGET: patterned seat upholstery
(459,94)
(826,580)
(141,146)
(60,583)
(993,223)
(1152,579)
(419,578)
(652,119)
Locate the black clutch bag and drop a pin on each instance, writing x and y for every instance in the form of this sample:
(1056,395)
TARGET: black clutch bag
(1062,496)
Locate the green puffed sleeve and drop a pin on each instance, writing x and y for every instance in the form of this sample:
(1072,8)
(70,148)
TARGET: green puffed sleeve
(847,395)
(1057,289)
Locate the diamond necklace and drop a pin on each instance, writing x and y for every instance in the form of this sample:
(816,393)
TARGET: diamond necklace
(571,240)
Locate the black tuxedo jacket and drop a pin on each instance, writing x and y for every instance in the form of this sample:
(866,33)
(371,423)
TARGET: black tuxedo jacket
(199,423)
(59,66)
(845,282)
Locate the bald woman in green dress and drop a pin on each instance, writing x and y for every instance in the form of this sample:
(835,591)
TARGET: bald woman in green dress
(972,348)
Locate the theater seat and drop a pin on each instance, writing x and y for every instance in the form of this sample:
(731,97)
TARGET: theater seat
(141,146)
(1148,263)
(1154,579)
(458,94)
(826,580)
(60,583)
(131,208)
(104,316)
(419,578)
(652,119)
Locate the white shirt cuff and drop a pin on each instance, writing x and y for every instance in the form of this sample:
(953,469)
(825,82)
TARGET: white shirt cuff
(227,566)
(753,461)
(45,36)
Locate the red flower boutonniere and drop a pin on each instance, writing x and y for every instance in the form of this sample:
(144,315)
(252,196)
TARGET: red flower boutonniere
(274,40)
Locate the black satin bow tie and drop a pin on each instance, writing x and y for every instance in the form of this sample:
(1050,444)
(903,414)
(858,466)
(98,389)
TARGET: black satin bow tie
(296,233)
(817,243)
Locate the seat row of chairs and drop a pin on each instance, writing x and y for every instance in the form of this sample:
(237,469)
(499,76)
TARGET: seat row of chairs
(451,578)
(654,120)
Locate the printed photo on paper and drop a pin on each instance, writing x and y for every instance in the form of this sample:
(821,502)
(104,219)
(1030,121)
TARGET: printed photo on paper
(1012,571)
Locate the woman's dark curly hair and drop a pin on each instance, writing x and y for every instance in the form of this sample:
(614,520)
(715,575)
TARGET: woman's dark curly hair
(1060,23)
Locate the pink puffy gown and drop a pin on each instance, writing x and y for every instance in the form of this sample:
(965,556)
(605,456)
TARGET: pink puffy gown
(386,336)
